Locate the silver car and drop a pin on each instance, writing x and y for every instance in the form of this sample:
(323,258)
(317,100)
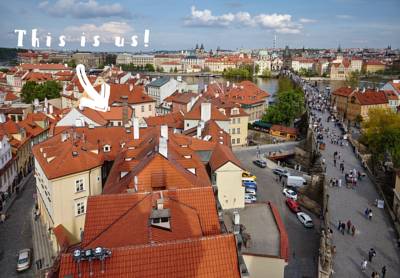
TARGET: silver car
(305,219)
(24,259)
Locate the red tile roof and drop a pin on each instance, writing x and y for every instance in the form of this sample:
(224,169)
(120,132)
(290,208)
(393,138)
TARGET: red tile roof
(10,96)
(108,218)
(37,76)
(134,96)
(343,91)
(44,67)
(222,155)
(174,120)
(195,113)
(206,257)
(371,97)
(62,236)
(182,98)
(87,146)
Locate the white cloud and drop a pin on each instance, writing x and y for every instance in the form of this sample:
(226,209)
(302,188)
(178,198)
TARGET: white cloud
(307,20)
(107,31)
(344,16)
(83,9)
(281,23)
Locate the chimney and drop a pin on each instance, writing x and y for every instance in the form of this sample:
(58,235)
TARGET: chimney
(205,88)
(2,118)
(163,147)
(227,83)
(135,123)
(205,111)
(164,131)
(46,102)
(363,90)
(51,109)
(130,87)
(198,135)
(236,217)
(160,204)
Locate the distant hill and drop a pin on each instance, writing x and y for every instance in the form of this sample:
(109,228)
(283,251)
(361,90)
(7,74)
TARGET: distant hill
(9,54)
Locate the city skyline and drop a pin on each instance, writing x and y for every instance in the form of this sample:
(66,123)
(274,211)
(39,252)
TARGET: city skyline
(227,24)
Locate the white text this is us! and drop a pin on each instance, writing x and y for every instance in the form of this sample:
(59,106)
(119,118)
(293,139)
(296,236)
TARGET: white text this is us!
(118,40)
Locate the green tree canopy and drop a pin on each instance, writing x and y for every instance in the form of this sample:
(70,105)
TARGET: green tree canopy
(31,90)
(353,79)
(381,133)
(289,104)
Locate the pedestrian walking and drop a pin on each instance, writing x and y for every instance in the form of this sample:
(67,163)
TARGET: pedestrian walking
(383,271)
(353,230)
(340,182)
(334,162)
(348,226)
(2,218)
(340,225)
(366,212)
(343,228)
(371,254)
(370,214)
(364,264)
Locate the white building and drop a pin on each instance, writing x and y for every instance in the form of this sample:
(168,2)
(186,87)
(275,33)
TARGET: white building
(161,88)
(136,60)
(8,167)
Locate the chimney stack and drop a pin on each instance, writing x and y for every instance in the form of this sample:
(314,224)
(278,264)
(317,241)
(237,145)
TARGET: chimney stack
(160,204)
(51,109)
(205,111)
(205,88)
(130,87)
(164,131)
(135,123)
(199,129)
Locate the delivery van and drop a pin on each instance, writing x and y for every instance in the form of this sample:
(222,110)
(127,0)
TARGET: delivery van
(295,181)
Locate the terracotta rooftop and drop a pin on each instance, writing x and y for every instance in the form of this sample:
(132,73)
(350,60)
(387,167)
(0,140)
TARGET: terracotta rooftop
(343,91)
(37,76)
(206,257)
(109,217)
(371,97)
(195,113)
(281,128)
(44,67)
(222,155)
(126,92)
(182,98)
(174,120)
(83,149)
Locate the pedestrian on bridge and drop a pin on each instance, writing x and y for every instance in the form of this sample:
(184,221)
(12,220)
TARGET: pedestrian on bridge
(383,271)
(364,264)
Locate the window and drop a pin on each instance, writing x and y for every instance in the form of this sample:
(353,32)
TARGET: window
(238,130)
(79,185)
(80,208)
(233,131)
(142,108)
(238,140)
(233,121)
(238,120)
(149,107)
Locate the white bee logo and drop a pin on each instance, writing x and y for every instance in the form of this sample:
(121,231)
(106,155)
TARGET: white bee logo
(95,100)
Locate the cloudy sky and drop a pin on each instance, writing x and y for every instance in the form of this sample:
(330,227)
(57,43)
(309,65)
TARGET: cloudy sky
(228,24)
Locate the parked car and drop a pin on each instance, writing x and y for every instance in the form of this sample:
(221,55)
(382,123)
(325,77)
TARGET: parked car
(250,184)
(248,176)
(292,205)
(260,163)
(289,193)
(250,191)
(24,259)
(281,172)
(248,198)
(305,219)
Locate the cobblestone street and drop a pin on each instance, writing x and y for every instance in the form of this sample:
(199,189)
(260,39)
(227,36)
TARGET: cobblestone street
(16,232)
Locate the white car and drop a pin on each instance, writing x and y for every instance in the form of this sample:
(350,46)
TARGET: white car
(305,219)
(249,199)
(24,259)
(289,193)
(250,191)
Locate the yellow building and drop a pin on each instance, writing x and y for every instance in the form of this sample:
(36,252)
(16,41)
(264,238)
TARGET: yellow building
(372,66)
(359,103)
(288,133)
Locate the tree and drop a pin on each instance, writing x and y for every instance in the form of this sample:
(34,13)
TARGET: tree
(381,133)
(266,73)
(289,104)
(72,63)
(175,69)
(149,67)
(353,79)
(32,90)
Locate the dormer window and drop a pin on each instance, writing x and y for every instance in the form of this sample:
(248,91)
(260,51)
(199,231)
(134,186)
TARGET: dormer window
(160,217)
(107,148)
